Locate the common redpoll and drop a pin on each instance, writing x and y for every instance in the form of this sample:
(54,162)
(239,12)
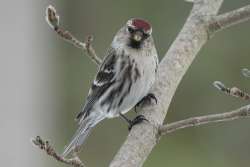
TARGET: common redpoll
(124,79)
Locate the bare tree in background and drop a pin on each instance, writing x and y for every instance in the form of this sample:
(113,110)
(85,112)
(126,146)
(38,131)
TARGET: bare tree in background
(202,23)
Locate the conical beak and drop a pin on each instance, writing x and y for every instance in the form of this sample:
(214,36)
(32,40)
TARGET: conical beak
(137,36)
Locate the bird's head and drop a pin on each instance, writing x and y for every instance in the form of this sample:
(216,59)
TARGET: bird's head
(135,34)
(138,31)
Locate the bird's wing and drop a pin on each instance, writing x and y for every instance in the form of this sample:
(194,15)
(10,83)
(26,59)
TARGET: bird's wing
(103,80)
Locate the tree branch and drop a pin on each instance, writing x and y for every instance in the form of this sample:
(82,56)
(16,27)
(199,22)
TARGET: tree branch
(44,145)
(243,112)
(52,19)
(229,19)
(234,91)
(194,34)
(143,137)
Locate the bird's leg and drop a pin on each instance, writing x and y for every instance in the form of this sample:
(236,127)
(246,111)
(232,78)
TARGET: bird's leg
(125,118)
(135,108)
(147,99)
(138,119)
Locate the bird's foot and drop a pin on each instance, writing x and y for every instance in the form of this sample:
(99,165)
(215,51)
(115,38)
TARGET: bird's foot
(147,99)
(138,119)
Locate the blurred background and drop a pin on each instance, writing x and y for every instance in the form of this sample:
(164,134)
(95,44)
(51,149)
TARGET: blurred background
(44,82)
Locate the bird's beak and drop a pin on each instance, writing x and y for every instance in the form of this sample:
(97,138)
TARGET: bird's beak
(137,36)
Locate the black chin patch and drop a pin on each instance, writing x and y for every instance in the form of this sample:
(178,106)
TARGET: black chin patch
(135,44)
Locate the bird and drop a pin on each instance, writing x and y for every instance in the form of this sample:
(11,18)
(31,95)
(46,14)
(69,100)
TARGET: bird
(123,81)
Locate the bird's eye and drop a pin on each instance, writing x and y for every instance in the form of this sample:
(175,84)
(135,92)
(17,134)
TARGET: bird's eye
(146,35)
(130,29)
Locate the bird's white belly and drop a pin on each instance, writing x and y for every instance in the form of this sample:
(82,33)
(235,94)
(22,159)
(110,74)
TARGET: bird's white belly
(139,89)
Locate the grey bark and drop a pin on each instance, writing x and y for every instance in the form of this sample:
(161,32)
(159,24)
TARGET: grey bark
(243,112)
(194,34)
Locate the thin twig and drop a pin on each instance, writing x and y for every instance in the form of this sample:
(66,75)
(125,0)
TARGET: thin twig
(44,145)
(234,91)
(229,19)
(243,112)
(52,19)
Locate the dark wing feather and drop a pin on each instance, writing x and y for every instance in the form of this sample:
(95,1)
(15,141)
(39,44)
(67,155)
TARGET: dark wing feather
(103,80)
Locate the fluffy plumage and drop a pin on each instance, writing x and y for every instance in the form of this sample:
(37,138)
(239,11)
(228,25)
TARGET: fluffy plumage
(125,76)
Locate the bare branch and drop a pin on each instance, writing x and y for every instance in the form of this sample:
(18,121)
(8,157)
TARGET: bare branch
(143,137)
(234,91)
(52,19)
(229,19)
(194,34)
(44,145)
(243,112)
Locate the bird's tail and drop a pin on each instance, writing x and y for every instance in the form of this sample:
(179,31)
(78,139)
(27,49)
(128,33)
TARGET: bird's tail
(82,133)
